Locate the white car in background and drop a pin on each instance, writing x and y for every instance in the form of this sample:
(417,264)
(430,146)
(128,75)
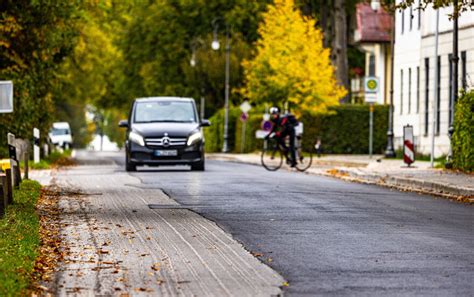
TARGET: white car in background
(60,135)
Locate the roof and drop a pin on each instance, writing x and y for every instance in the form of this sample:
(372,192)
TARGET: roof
(372,26)
(150,99)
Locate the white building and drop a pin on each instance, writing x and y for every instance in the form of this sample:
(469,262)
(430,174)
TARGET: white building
(414,73)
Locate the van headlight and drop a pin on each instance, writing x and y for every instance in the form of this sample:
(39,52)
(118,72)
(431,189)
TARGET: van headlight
(137,138)
(195,137)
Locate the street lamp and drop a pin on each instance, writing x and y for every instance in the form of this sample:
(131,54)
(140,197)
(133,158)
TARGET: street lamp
(454,94)
(389,150)
(215,46)
(193,62)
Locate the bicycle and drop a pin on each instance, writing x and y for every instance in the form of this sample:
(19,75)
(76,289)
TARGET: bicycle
(273,155)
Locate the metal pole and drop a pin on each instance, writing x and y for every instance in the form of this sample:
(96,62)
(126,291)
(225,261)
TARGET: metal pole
(454,95)
(371,129)
(435,101)
(202,107)
(389,151)
(242,139)
(225,147)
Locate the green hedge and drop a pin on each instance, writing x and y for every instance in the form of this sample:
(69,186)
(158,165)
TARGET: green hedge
(345,130)
(463,136)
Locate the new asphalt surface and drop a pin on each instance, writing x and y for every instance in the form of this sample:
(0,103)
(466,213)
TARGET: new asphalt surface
(330,237)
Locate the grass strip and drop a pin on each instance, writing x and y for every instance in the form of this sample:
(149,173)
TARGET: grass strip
(55,159)
(19,240)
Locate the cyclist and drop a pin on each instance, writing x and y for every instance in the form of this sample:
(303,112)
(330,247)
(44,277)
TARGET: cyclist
(284,126)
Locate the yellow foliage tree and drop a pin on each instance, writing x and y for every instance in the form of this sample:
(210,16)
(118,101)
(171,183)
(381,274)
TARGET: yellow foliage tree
(290,63)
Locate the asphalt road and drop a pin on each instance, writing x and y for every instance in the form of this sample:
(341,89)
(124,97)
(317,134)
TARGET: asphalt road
(329,237)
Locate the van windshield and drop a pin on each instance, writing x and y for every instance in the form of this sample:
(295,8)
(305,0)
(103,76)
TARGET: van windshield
(165,111)
(57,132)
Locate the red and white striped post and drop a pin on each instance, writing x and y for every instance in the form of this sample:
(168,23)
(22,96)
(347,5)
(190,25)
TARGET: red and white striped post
(408,145)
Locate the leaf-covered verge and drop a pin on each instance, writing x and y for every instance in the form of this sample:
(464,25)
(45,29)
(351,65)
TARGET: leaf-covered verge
(51,251)
(19,240)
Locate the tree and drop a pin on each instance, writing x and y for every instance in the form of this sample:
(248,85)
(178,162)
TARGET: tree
(157,48)
(291,63)
(340,44)
(35,38)
(89,76)
(461,5)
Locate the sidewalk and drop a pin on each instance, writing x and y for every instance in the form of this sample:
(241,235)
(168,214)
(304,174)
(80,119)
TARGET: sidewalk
(121,237)
(386,172)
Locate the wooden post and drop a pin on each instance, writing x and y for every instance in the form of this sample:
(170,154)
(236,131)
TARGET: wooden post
(3,198)
(14,164)
(8,188)
(16,176)
(26,157)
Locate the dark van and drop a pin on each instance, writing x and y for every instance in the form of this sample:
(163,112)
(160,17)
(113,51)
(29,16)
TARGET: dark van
(164,131)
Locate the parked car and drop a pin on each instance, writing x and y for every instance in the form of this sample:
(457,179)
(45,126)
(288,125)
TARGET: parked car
(164,131)
(60,135)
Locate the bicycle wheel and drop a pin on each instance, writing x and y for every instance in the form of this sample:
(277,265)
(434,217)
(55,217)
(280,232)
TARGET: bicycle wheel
(304,160)
(272,158)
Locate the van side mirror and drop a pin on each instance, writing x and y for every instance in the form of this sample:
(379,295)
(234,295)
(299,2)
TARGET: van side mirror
(205,123)
(123,124)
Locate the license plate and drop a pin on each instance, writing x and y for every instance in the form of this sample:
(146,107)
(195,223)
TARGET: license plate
(166,153)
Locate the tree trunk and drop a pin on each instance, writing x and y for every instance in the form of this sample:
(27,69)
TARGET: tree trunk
(340,45)
(324,12)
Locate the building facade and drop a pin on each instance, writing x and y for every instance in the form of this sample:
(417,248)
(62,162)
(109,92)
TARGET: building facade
(417,100)
(373,35)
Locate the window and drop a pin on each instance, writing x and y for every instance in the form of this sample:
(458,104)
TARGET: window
(463,70)
(450,101)
(427,93)
(409,90)
(417,89)
(411,17)
(371,65)
(438,95)
(402,12)
(401,91)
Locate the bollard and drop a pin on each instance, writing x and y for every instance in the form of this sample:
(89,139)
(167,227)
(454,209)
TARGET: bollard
(3,197)
(8,189)
(36,145)
(46,150)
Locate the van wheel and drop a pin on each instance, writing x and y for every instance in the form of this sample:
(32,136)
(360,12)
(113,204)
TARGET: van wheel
(199,166)
(129,166)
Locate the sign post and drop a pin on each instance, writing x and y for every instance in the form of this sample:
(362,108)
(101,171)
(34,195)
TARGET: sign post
(408,145)
(371,130)
(245,107)
(371,89)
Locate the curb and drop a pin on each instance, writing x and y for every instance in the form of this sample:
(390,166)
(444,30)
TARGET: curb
(412,184)
(461,194)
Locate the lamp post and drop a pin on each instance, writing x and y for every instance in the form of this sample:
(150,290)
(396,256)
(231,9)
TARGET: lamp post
(389,150)
(454,94)
(193,63)
(215,46)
